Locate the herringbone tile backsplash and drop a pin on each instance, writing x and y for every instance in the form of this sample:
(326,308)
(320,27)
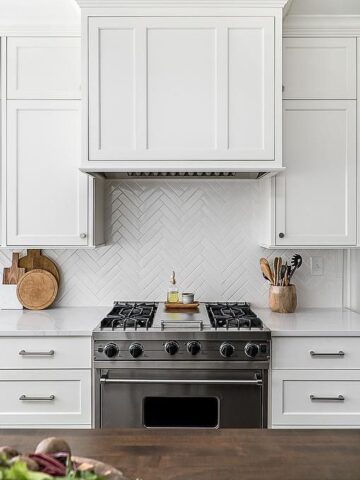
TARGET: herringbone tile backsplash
(205,229)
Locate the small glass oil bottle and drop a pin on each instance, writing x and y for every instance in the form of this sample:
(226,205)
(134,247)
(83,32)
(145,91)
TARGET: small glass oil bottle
(173,291)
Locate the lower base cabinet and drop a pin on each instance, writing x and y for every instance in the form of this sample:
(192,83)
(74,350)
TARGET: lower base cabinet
(315,398)
(45,398)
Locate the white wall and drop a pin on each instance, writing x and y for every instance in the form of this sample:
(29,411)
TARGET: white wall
(206,229)
(39,12)
(325,7)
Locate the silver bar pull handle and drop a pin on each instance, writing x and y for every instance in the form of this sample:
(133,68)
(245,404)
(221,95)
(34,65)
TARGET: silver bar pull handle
(340,353)
(25,397)
(24,353)
(339,398)
(184,323)
(104,379)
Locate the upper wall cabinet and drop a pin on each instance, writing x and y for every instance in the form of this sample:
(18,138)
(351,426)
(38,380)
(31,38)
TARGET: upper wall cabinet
(43,68)
(181,88)
(319,68)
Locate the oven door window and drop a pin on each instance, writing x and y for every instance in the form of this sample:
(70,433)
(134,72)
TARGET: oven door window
(181,412)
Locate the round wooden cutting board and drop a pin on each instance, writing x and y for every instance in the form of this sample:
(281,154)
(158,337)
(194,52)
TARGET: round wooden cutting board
(35,260)
(37,289)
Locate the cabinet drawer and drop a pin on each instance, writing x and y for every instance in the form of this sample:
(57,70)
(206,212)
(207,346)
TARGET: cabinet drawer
(316,353)
(316,398)
(45,352)
(45,397)
(43,68)
(319,68)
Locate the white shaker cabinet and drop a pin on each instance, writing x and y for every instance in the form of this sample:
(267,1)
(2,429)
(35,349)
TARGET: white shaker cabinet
(319,68)
(175,88)
(47,196)
(316,196)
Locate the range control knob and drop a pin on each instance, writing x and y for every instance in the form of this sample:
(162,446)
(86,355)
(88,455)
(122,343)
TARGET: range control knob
(136,350)
(193,347)
(251,350)
(111,350)
(171,347)
(226,350)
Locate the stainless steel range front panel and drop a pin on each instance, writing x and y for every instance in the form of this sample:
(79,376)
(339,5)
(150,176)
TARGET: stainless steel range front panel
(181,398)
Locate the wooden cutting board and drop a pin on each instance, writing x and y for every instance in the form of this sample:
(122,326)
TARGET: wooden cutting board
(37,289)
(181,306)
(34,260)
(12,275)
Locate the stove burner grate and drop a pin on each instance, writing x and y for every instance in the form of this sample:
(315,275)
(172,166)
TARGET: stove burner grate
(233,315)
(130,315)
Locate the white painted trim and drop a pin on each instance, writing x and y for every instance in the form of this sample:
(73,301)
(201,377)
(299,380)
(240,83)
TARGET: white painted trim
(180,3)
(321,26)
(40,30)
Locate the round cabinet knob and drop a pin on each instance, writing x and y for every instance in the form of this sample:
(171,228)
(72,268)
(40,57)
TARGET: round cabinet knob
(82,235)
(251,350)
(226,350)
(111,350)
(281,235)
(193,348)
(171,348)
(136,350)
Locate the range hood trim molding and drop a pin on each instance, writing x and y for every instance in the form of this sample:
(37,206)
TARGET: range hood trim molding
(182,3)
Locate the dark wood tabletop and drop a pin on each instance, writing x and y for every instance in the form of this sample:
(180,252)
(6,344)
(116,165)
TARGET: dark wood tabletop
(211,454)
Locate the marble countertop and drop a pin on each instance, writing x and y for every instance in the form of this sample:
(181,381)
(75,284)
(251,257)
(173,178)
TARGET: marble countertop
(80,321)
(330,322)
(60,321)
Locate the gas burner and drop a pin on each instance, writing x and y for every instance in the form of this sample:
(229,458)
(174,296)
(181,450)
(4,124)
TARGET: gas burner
(233,315)
(130,315)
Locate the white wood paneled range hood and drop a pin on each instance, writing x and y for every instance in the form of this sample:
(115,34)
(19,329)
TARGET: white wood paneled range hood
(182,87)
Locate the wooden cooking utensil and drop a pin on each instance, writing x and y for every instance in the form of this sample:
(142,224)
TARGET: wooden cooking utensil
(12,275)
(34,260)
(37,289)
(276,268)
(266,270)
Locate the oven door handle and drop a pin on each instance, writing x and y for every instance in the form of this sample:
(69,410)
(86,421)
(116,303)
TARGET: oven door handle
(105,379)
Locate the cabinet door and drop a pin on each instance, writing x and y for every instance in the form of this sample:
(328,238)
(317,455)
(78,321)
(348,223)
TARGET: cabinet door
(181,88)
(319,68)
(47,200)
(43,68)
(316,196)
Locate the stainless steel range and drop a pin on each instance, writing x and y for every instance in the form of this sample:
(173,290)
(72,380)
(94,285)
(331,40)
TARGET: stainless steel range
(156,368)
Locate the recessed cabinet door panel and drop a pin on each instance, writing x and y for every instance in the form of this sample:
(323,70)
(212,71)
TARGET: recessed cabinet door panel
(112,91)
(181,88)
(315,197)
(251,99)
(46,194)
(181,65)
(319,68)
(43,68)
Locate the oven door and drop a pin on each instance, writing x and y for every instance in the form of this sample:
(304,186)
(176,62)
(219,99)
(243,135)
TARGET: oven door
(181,399)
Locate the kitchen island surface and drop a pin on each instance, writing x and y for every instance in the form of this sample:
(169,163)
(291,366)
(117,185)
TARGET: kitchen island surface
(211,454)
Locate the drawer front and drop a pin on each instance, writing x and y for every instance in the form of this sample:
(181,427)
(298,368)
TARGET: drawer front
(45,352)
(315,353)
(45,397)
(43,68)
(315,398)
(319,68)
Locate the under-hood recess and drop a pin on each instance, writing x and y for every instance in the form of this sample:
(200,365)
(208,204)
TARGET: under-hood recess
(203,175)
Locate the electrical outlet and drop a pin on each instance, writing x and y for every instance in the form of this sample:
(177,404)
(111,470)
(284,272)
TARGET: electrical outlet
(317,266)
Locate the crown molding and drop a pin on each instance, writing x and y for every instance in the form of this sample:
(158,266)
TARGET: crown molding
(7,30)
(321,26)
(181,3)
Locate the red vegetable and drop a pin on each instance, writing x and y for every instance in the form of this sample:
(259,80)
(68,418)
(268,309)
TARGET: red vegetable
(48,464)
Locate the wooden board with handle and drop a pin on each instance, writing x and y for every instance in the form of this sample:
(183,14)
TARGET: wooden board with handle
(37,289)
(35,260)
(12,275)
(181,306)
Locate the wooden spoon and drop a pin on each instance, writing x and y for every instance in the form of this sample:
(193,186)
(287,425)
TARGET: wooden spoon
(266,270)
